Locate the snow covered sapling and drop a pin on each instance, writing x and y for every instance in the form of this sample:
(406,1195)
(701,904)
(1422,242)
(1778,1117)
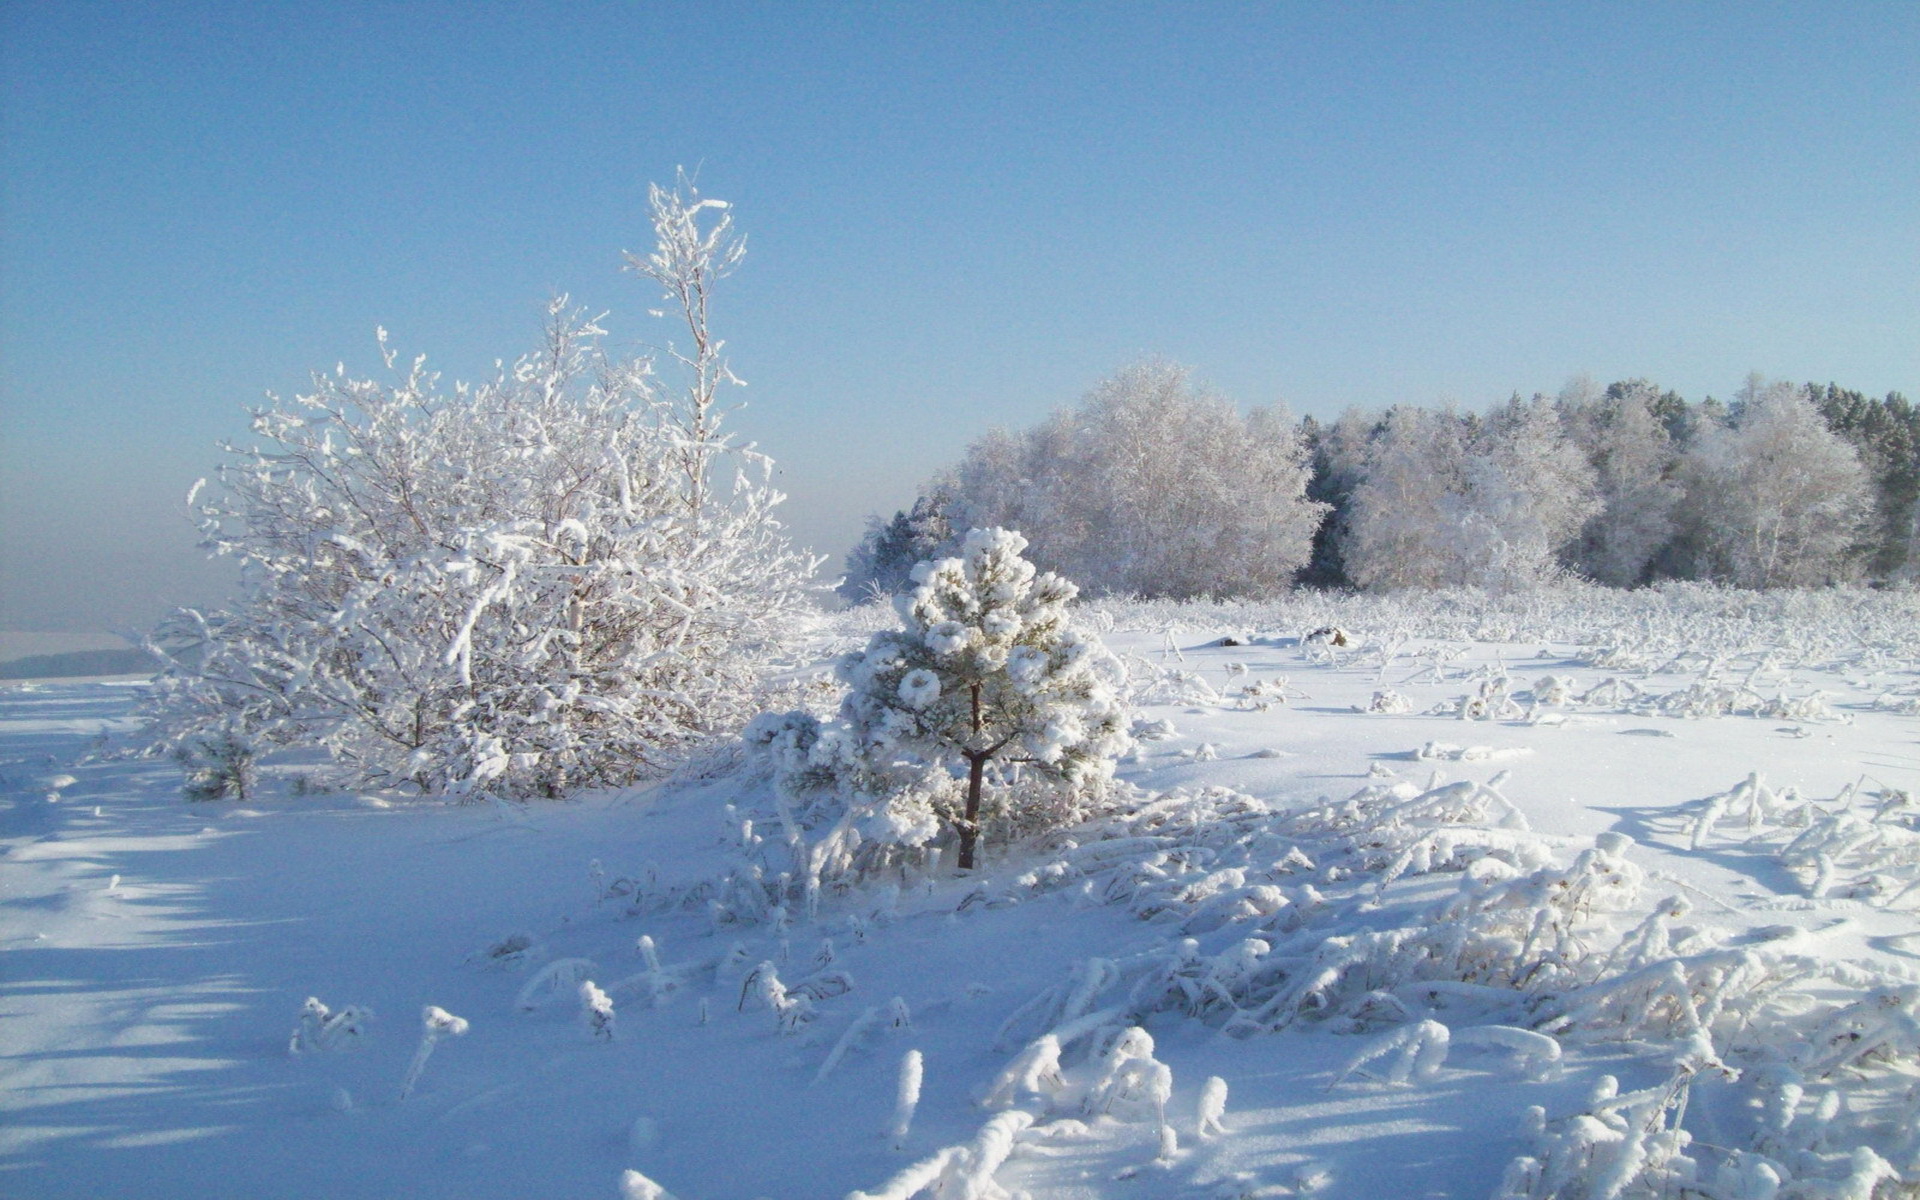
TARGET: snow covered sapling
(218,766)
(596,1011)
(988,666)
(434,1023)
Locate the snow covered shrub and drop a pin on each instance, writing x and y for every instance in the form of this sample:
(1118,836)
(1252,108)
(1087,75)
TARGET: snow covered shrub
(906,1099)
(1211,1110)
(963,1172)
(1624,1145)
(1861,845)
(1338,915)
(536,584)
(988,667)
(1131,1079)
(1413,1052)
(219,765)
(596,1012)
(1554,691)
(793,1007)
(321,1028)
(1389,702)
(820,774)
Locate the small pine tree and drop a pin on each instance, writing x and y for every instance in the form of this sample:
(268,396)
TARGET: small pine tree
(988,667)
(218,766)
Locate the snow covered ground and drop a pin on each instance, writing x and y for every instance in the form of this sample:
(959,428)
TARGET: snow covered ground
(1751,954)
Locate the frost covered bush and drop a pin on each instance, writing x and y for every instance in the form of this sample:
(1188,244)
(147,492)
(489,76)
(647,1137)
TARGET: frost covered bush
(551,580)
(1861,845)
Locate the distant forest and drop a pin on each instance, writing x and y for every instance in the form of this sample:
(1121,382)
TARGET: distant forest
(1153,485)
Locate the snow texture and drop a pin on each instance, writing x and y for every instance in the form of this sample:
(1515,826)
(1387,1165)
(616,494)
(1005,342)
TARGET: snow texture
(1613,966)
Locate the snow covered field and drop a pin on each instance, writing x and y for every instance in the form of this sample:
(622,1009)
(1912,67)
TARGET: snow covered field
(1386,972)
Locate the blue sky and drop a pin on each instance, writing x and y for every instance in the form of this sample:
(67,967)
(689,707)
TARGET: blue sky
(958,216)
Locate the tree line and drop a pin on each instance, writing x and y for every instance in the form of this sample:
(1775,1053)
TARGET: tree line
(1154,485)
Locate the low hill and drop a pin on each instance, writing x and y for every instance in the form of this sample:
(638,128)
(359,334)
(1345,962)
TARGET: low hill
(79,662)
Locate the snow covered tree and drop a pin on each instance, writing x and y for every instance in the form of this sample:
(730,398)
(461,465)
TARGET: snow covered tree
(1886,433)
(1406,500)
(517,588)
(1633,459)
(988,667)
(1338,455)
(1532,490)
(694,248)
(1776,499)
(1150,485)
(882,564)
(1451,501)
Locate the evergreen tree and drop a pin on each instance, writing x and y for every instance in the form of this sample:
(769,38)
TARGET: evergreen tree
(988,667)
(882,564)
(1886,435)
(1337,454)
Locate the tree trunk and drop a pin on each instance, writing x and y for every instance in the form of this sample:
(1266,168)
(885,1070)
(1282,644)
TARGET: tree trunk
(970,824)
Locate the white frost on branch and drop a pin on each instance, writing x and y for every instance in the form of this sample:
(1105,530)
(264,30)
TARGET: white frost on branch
(517,588)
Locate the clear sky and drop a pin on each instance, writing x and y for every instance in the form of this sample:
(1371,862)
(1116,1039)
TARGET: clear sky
(958,215)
